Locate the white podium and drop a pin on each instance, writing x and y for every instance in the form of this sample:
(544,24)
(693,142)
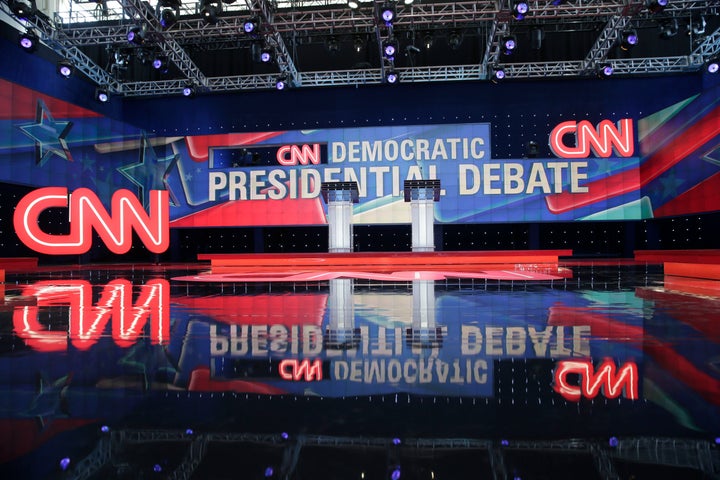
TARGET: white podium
(341,333)
(340,197)
(425,332)
(422,195)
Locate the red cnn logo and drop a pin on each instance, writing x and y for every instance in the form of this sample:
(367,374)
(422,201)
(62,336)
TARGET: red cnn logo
(606,377)
(297,370)
(289,155)
(602,140)
(88,322)
(88,213)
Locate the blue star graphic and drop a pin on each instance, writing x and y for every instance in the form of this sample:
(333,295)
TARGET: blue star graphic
(670,184)
(49,135)
(151,172)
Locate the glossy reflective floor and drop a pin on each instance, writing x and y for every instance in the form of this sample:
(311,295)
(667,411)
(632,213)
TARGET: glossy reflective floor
(132,372)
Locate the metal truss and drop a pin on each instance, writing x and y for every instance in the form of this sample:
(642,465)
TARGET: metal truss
(95,461)
(606,40)
(175,53)
(193,458)
(273,37)
(709,47)
(695,454)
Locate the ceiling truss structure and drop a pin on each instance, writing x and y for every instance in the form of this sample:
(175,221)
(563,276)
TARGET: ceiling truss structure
(71,36)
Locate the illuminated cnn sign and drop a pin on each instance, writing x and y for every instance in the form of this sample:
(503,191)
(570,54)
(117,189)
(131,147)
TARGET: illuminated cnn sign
(88,213)
(606,377)
(603,139)
(300,370)
(87,321)
(289,155)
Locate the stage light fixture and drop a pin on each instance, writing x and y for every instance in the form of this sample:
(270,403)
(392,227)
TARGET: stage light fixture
(428,40)
(605,70)
(168,12)
(160,63)
(209,10)
(28,41)
(65,68)
(353,4)
(396,474)
(408,2)
(102,95)
(359,43)
(136,35)
(497,74)
(332,44)
(390,48)
(698,25)
(266,55)
(23,10)
(713,65)
(251,26)
(281,82)
(64,463)
(655,6)
(392,77)
(520,9)
(188,90)
(387,14)
(669,28)
(455,38)
(508,44)
(628,39)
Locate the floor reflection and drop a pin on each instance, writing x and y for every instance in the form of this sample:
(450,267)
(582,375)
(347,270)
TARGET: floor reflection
(610,372)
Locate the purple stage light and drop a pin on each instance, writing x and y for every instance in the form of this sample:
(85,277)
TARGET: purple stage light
(104,429)
(390,50)
(392,77)
(64,463)
(713,67)
(27,43)
(388,14)
(269,471)
(265,57)
(510,43)
(613,442)
(395,474)
(157,468)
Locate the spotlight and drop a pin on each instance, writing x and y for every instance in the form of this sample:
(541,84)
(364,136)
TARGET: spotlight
(266,55)
(21,9)
(392,77)
(387,14)
(605,70)
(390,48)
(251,26)
(136,35)
(281,82)
(613,442)
(698,25)
(428,40)
(353,4)
(269,472)
(102,95)
(28,41)
(408,2)
(332,45)
(168,12)
(497,74)
(628,39)
(455,39)
(105,429)
(655,6)
(520,9)
(188,91)
(64,463)
(359,43)
(209,10)
(396,474)
(160,63)
(508,45)
(65,69)
(713,65)
(669,28)
(189,431)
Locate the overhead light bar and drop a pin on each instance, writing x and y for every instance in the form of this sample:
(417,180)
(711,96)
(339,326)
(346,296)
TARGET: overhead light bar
(65,68)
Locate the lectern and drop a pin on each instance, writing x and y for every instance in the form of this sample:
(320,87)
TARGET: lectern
(340,197)
(422,195)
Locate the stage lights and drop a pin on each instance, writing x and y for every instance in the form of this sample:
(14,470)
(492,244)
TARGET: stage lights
(655,6)
(390,48)
(669,28)
(22,9)
(353,4)
(209,10)
(64,463)
(102,95)
(496,74)
(160,63)
(64,68)
(713,65)
(28,41)
(251,26)
(387,14)
(392,77)
(508,44)
(698,25)
(168,12)
(605,70)
(188,91)
(266,55)
(428,40)
(520,9)
(455,39)
(358,43)
(281,82)
(136,35)
(628,39)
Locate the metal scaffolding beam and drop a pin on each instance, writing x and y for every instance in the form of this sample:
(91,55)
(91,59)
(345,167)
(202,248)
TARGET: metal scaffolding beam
(606,40)
(275,39)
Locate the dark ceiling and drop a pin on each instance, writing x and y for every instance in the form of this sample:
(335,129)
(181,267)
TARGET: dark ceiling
(317,43)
